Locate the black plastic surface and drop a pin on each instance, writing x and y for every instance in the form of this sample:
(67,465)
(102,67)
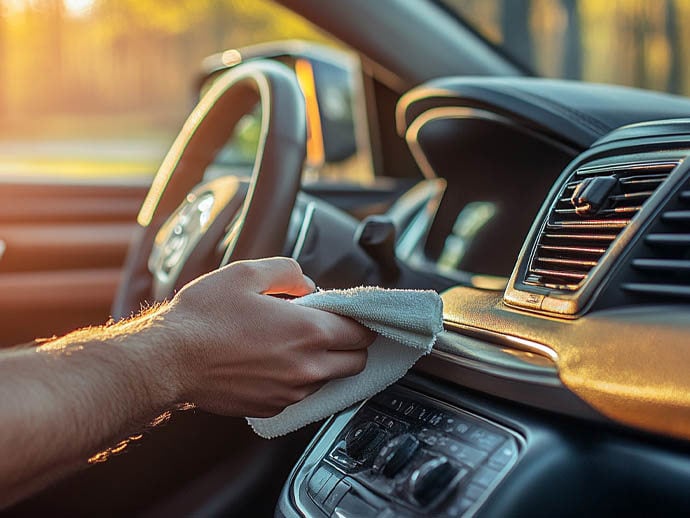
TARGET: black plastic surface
(577,468)
(490,161)
(656,268)
(435,459)
(573,112)
(569,467)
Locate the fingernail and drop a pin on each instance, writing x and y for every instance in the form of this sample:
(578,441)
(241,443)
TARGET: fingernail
(311,283)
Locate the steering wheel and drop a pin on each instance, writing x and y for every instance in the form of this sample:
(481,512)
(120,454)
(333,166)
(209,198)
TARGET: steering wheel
(184,224)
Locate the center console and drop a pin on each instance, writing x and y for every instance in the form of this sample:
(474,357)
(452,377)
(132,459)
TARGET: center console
(403,454)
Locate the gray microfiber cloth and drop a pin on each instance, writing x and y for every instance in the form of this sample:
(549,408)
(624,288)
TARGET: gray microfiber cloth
(407,322)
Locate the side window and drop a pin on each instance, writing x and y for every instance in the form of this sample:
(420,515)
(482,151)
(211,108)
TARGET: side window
(95,90)
(629,42)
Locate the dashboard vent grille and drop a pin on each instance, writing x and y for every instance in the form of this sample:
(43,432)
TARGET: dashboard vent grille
(662,266)
(593,207)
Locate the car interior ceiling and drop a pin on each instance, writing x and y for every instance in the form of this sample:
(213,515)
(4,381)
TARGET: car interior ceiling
(557,387)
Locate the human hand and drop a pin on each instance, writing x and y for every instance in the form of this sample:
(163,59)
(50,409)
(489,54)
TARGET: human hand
(244,352)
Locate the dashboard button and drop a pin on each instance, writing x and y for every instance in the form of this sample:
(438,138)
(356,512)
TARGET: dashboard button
(436,418)
(390,401)
(484,439)
(474,491)
(334,497)
(467,455)
(421,414)
(456,425)
(485,476)
(459,507)
(323,493)
(448,424)
(428,436)
(409,409)
(503,456)
(318,479)
(351,505)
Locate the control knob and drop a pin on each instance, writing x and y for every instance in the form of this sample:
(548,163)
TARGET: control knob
(396,454)
(364,440)
(431,479)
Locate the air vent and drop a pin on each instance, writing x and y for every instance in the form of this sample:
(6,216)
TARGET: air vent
(661,265)
(593,207)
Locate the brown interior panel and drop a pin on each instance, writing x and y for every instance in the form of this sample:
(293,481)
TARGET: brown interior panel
(64,247)
(47,303)
(62,202)
(42,246)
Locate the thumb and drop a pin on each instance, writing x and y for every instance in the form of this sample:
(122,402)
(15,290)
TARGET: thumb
(275,275)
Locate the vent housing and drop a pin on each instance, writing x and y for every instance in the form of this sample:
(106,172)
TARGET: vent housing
(574,239)
(660,263)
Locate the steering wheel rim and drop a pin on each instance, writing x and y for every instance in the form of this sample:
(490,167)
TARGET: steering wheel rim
(263,218)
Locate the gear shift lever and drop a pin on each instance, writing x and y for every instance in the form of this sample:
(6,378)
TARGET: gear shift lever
(376,236)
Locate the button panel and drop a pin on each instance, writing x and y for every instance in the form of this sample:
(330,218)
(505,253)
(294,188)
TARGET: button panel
(405,454)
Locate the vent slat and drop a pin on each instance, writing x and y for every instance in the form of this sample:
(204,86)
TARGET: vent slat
(589,224)
(581,237)
(667,290)
(676,216)
(652,181)
(571,244)
(559,273)
(605,212)
(574,249)
(620,210)
(660,168)
(668,239)
(643,180)
(631,195)
(650,264)
(637,195)
(660,266)
(568,262)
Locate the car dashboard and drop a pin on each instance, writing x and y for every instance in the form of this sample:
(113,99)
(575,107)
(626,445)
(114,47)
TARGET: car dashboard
(558,386)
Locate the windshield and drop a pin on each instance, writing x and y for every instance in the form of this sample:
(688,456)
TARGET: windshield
(629,42)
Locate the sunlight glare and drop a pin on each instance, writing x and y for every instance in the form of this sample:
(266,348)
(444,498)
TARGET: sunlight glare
(78,7)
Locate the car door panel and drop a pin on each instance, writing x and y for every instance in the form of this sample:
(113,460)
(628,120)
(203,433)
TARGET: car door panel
(64,248)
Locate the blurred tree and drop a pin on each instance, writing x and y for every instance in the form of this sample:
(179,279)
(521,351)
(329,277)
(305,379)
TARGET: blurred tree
(638,27)
(517,37)
(3,61)
(219,21)
(53,32)
(572,59)
(136,58)
(675,74)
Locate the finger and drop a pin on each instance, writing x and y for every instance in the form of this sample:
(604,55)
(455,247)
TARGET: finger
(307,390)
(347,335)
(275,275)
(342,364)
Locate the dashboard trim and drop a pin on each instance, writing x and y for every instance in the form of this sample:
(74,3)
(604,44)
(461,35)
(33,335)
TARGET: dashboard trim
(515,342)
(502,365)
(462,112)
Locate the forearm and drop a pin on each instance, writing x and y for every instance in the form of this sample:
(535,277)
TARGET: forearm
(222,343)
(77,395)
